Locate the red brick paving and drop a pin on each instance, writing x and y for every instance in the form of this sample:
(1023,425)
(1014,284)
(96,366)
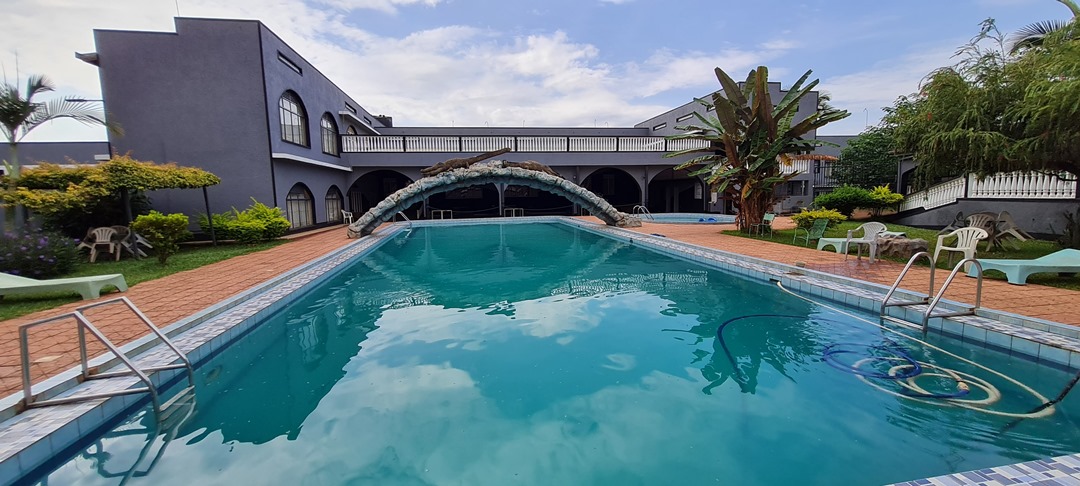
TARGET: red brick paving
(169,299)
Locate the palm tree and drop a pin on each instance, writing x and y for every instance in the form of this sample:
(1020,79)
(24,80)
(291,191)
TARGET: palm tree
(749,139)
(1033,35)
(20,114)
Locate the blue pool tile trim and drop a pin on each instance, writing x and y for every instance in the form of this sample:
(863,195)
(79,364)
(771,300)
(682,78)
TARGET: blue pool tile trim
(29,439)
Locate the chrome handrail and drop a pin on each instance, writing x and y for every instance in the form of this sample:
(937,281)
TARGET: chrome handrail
(642,210)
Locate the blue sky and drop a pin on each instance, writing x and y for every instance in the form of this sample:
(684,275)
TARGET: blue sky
(552,63)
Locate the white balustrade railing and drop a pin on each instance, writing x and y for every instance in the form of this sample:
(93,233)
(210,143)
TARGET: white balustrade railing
(935,196)
(800,166)
(1012,185)
(452,143)
(1022,185)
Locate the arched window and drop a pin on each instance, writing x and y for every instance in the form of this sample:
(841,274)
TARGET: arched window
(300,207)
(328,129)
(293,119)
(351,130)
(334,205)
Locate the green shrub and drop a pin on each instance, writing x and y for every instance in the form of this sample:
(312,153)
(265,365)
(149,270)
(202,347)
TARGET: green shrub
(165,232)
(806,218)
(37,254)
(845,199)
(258,222)
(884,198)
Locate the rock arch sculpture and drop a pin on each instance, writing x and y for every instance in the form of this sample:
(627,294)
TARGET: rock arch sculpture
(493,172)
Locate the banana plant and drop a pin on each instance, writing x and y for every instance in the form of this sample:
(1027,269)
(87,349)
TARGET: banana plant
(750,139)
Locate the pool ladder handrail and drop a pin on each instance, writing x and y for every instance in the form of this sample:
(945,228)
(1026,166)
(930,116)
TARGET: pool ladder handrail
(642,210)
(85,325)
(932,304)
(407,220)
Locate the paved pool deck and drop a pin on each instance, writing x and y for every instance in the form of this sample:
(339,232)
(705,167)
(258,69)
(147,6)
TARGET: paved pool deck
(167,300)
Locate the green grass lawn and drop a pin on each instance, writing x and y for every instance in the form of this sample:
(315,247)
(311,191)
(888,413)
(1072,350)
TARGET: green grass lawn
(1028,249)
(134,271)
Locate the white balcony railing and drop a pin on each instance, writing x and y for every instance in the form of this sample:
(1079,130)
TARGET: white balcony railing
(1012,185)
(453,143)
(800,166)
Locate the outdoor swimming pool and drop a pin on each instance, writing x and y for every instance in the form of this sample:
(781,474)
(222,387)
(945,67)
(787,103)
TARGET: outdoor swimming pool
(690,218)
(544,354)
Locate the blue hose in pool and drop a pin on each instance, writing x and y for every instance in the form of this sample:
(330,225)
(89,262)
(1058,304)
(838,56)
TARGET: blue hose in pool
(829,355)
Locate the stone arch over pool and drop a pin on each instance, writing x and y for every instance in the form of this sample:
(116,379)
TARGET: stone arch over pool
(492,172)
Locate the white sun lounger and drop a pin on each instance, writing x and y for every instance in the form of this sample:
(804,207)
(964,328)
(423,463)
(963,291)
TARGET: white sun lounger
(1018,271)
(87,287)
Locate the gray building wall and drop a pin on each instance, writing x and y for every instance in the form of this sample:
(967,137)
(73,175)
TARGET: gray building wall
(1042,218)
(194,97)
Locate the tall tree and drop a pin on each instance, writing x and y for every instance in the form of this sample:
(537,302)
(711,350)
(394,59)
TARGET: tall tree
(868,161)
(1033,35)
(20,114)
(992,112)
(749,139)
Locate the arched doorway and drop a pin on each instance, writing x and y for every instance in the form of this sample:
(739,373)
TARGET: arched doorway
(616,186)
(373,187)
(300,207)
(334,204)
(468,202)
(672,191)
(536,202)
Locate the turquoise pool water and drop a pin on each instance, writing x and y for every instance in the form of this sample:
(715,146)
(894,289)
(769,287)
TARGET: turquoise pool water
(691,218)
(542,354)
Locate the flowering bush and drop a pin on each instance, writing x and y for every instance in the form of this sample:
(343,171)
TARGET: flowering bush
(37,254)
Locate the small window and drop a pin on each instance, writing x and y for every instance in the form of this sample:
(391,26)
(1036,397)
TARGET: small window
(288,62)
(300,207)
(351,130)
(711,108)
(350,108)
(329,135)
(367,120)
(684,118)
(660,126)
(293,119)
(334,205)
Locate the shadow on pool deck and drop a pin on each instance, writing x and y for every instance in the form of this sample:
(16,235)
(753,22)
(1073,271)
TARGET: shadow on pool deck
(169,299)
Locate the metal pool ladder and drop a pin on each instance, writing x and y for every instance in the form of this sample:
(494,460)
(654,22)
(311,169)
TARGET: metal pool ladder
(142,374)
(932,304)
(643,211)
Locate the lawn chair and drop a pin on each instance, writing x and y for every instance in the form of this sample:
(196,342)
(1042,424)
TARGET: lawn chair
(958,222)
(966,241)
(1063,262)
(816,231)
(870,233)
(347,216)
(103,236)
(1006,227)
(766,222)
(87,287)
(988,222)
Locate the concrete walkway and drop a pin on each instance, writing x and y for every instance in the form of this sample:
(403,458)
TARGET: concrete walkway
(166,300)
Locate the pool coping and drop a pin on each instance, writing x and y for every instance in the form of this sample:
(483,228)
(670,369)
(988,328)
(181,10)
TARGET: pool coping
(29,439)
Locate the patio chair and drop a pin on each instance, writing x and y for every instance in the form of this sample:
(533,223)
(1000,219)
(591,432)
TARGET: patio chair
(1064,262)
(816,231)
(87,287)
(870,233)
(988,222)
(103,236)
(1006,227)
(347,216)
(766,222)
(966,241)
(958,222)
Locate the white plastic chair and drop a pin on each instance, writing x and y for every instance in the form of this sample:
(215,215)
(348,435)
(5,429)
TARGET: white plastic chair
(347,216)
(870,231)
(988,222)
(966,241)
(104,236)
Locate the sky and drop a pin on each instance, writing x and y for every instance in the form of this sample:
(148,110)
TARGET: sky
(568,63)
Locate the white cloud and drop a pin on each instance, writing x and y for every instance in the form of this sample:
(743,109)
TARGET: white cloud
(388,6)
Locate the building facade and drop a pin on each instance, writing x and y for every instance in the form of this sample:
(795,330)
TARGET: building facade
(231,97)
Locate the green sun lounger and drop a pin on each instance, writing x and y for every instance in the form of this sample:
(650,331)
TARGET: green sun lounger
(1018,271)
(87,287)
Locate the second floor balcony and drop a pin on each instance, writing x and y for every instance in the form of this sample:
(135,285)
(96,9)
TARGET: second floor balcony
(488,143)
